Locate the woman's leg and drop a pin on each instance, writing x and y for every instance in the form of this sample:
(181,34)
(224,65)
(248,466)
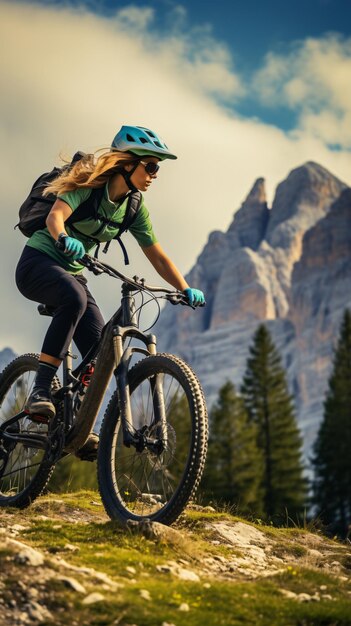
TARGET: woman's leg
(41,279)
(89,329)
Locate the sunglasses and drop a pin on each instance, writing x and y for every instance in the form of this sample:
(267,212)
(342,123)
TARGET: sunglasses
(151,168)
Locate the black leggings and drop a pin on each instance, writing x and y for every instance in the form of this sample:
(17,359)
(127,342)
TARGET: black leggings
(76,314)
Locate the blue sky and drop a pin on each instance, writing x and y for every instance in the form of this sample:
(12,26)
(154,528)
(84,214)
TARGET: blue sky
(239,90)
(250,29)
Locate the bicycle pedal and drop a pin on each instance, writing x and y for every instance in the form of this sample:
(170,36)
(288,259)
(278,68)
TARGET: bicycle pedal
(89,451)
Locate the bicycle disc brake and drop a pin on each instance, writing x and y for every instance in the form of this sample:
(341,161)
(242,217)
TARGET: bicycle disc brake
(161,460)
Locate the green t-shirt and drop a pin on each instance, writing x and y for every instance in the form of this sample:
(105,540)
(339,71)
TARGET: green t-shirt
(141,228)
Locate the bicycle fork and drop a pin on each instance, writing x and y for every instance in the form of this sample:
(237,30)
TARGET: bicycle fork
(132,436)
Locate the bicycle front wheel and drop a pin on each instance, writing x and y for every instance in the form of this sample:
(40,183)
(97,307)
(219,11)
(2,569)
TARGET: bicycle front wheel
(156,479)
(24,467)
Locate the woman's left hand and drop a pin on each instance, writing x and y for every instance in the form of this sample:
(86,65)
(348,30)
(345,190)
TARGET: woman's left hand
(195,296)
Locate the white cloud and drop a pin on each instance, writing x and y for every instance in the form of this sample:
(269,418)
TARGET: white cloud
(73,78)
(192,52)
(134,18)
(315,80)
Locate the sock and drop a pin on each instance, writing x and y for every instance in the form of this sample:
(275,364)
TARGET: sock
(45,375)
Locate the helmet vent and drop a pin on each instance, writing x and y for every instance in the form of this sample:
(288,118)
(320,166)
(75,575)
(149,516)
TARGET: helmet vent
(150,134)
(130,138)
(143,140)
(157,143)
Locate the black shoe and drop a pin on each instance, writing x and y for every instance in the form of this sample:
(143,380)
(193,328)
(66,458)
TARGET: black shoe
(89,451)
(39,403)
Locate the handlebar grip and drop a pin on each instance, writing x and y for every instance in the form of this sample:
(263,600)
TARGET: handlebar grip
(60,245)
(85,260)
(181,298)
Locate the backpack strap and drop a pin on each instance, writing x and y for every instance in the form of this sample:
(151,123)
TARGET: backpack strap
(88,208)
(133,206)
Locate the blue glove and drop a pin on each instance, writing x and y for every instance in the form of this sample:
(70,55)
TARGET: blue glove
(73,248)
(195,296)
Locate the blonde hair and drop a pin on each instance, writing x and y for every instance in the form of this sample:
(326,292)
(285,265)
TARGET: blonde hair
(90,171)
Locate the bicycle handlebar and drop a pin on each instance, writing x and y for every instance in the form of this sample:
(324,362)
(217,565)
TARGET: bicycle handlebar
(98,267)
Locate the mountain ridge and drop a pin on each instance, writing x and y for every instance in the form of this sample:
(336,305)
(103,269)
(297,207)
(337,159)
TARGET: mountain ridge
(258,272)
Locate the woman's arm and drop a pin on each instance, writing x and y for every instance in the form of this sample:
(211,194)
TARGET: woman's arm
(165,267)
(55,221)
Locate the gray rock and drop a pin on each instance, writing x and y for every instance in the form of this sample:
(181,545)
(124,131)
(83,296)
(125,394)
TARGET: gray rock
(92,598)
(72,583)
(293,273)
(38,612)
(251,220)
(71,548)
(172,567)
(155,531)
(300,201)
(25,555)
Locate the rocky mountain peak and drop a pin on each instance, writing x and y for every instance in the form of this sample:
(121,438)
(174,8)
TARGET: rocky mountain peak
(300,201)
(289,267)
(251,220)
(258,192)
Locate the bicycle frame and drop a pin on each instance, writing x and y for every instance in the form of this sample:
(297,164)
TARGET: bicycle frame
(111,358)
(122,360)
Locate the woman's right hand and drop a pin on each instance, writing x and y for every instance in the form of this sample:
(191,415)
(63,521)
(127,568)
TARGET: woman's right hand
(195,296)
(72,247)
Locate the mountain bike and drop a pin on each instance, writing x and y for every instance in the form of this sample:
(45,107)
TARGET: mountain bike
(153,437)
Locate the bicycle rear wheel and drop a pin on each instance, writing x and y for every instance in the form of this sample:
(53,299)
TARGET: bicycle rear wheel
(156,481)
(24,467)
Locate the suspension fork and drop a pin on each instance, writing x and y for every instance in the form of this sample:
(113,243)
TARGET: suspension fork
(122,361)
(158,401)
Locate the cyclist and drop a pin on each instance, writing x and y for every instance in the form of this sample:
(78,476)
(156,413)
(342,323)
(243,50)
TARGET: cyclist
(54,277)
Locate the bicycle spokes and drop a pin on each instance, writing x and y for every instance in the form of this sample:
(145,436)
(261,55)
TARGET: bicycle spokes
(22,441)
(148,474)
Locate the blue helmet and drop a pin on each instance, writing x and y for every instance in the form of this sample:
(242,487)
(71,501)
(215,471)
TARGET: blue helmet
(142,142)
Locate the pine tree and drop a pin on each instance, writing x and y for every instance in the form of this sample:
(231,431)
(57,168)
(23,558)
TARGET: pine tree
(332,450)
(270,407)
(234,464)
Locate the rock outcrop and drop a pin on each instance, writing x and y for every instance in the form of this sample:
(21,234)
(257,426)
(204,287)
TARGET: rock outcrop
(250,221)
(320,292)
(288,266)
(151,569)
(6,355)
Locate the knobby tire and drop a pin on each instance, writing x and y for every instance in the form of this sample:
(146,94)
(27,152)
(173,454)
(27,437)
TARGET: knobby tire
(18,367)
(194,406)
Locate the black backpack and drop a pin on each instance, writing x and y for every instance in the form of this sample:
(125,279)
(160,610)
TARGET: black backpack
(36,207)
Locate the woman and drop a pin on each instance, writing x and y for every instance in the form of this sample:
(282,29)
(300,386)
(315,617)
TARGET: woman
(47,274)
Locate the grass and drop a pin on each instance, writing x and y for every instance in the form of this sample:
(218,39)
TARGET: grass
(228,600)
(223,603)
